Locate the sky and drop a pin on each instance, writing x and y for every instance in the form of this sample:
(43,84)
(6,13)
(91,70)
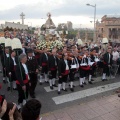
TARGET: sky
(62,11)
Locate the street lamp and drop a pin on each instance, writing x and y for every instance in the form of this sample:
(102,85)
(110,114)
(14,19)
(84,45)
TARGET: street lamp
(31,26)
(94,19)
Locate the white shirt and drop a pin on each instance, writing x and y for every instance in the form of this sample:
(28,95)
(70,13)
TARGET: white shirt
(115,55)
(25,68)
(23,50)
(30,58)
(46,56)
(55,61)
(77,62)
(33,54)
(7,55)
(67,68)
(14,60)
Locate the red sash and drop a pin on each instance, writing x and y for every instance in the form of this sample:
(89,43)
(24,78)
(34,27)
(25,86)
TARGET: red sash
(104,63)
(44,64)
(94,64)
(1,98)
(66,72)
(24,81)
(14,68)
(85,67)
(53,68)
(37,56)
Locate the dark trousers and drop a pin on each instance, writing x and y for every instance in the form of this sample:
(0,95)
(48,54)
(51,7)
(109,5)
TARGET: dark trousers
(12,77)
(63,79)
(53,73)
(21,94)
(44,70)
(106,70)
(83,73)
(4,72)
(71,76)
(33,81)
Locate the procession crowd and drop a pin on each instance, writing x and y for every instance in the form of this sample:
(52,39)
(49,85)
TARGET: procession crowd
(73,62)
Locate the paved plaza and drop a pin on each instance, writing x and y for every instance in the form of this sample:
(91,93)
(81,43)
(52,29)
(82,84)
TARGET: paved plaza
(93,102)
(106,108)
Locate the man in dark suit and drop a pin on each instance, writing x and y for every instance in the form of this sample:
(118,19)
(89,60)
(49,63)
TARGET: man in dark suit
(4,56)
(22,80)
(11,63)
(107,60)
(44,66)
(74,67)
(63,71)
(53,63)
(32,66)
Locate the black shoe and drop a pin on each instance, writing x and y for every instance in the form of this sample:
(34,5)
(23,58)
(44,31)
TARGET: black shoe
(51,87)
(55,85)
(64,90)
(119,95)
(85,83)
(33,96)
(72,89)
(20,110)
(14,88)
(46,82)
(4,81)
(90,82)
(8,88)
(73,85)
(103,80)
(82,86)
(40,83)
(59,92)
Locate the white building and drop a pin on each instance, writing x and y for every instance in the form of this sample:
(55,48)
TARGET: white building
(16,25)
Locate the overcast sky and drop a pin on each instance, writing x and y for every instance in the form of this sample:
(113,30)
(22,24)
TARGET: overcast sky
(62,11)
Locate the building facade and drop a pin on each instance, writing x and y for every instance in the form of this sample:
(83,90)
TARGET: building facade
(109,27)
(16,26)
(69,25)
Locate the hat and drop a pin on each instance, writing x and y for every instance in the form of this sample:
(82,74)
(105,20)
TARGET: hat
(29,51)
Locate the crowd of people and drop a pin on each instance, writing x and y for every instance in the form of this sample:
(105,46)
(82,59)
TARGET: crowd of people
(73,62)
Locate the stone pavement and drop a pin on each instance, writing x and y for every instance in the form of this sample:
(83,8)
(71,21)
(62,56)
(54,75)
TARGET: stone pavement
(105,108)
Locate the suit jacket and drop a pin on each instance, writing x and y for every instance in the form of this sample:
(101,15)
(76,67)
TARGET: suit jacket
(32,65)
(73,62)
(51,62)
(92,57)
(3,59)
(106,58)
(61,67)
(10,64)
(84,60)
(43,59)
(20,73)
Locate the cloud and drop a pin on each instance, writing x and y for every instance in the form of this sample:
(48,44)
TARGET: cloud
(37,9)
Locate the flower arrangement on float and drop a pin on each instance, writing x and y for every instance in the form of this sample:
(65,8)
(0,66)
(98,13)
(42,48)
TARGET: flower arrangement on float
(49,45)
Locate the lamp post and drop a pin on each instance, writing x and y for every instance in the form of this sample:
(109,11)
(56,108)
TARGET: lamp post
(94,20)
(31,26)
